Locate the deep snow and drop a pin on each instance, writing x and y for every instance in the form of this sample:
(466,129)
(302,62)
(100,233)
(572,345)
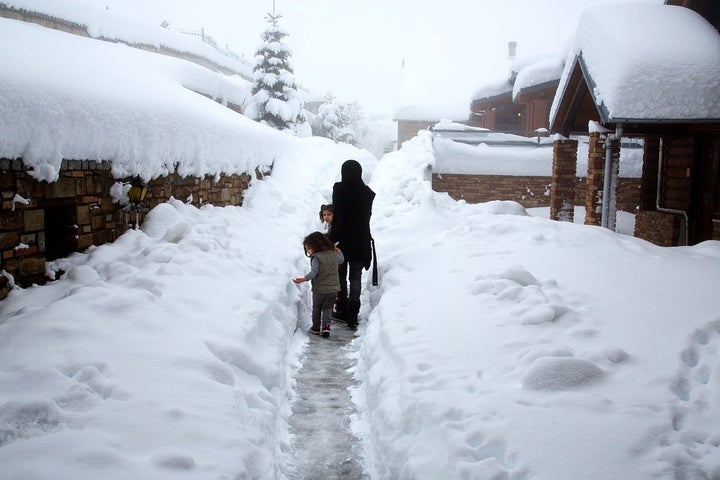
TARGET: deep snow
(497,345)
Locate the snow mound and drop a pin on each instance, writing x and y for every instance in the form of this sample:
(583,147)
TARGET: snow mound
(502,207)
(520,275)
(561,373)
(160,220)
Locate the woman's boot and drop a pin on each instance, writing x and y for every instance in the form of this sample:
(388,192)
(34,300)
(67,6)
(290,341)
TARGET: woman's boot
(351,314)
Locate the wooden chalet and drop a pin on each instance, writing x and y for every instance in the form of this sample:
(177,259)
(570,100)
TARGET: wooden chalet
(495,110)
(516,106)
(680,126)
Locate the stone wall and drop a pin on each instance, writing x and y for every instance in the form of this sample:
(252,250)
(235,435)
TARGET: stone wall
(223,191)
(660,228)
(529,191)
(43,221)
(526,190)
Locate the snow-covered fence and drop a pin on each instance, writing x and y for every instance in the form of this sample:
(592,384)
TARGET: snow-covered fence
(43,19)
(201,35)
(211,41)
(233,64)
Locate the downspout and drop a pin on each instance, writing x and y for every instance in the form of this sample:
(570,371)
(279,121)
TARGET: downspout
(609,173)
(658,195)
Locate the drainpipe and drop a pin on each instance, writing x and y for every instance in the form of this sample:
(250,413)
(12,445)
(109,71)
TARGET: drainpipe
(609,174)
(657,196)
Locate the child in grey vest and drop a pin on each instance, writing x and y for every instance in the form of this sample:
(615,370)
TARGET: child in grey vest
(324,260)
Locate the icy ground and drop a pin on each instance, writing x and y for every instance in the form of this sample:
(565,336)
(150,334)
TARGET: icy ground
(325,448)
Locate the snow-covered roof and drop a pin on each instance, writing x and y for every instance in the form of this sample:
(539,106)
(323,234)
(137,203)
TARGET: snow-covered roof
(450,126)
(528,70)
(493,89)
(64,96)
(647,63)
(431,113)
(538,74)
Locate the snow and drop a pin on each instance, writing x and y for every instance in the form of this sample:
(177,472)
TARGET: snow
(76,98)
(538,73)
(527,70)
(120,20)
(449,125)
(667,70)
(459,158)
(432,113)
(534,159)
(498,344)
(493,89)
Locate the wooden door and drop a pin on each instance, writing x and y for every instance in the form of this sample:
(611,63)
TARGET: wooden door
(707,187)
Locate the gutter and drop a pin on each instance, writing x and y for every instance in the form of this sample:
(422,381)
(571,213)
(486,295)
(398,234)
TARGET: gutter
(657,196)
(608,177)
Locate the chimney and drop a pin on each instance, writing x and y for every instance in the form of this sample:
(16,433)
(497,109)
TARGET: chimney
(512,47)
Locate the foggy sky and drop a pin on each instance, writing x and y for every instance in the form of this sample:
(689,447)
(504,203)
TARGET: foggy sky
(356,49)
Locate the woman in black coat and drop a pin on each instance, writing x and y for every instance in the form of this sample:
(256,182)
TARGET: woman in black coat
(352,201)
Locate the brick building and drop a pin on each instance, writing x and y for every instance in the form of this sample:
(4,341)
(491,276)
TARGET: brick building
(676,112)
(521,103)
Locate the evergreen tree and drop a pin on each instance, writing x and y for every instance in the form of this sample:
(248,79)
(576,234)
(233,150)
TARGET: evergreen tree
(343,123)
(275,100)
(328,121)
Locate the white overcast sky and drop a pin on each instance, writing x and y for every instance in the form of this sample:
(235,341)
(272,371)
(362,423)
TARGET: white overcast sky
(356,48)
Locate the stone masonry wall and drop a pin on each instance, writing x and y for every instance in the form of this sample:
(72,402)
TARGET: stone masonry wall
(660,228)
(41,221)
(526,190)
(80,196)
(562,193)
(529,191)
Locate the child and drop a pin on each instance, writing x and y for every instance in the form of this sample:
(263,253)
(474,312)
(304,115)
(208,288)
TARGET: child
(324,260)
(326,216)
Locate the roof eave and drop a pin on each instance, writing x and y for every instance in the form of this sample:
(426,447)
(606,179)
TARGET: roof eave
(538,87)
(592,87)
(685,121)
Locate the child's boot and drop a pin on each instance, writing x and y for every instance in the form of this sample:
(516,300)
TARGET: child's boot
(326,330)
(315,329)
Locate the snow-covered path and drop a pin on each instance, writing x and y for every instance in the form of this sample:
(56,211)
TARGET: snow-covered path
(497,345)
(325,449)
(172,351)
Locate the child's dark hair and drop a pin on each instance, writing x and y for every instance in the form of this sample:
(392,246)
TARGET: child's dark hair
(328,207)
(318,241)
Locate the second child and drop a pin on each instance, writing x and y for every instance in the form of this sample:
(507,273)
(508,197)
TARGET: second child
(326,217)
(324,260)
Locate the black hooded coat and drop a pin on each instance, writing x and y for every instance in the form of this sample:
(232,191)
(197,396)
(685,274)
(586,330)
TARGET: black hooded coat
(352,203)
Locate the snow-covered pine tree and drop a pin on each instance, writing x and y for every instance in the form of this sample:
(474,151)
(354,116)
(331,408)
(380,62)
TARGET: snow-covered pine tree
(275,99)
(344,123)
(328,120)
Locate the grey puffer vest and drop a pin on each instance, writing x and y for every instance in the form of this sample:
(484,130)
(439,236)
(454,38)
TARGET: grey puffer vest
(327,280)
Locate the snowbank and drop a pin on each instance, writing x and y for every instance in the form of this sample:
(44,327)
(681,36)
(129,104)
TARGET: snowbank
(70,97)
(506,346)
(453,157)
